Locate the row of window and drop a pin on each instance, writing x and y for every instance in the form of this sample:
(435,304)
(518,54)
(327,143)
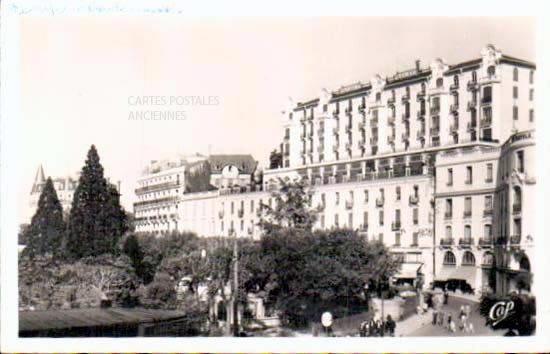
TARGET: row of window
(396,223)
(487,232)
(468,258)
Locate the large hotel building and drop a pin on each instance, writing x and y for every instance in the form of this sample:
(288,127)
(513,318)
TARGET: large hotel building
(437,163)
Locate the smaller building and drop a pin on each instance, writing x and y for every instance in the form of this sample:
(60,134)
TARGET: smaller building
(64,188)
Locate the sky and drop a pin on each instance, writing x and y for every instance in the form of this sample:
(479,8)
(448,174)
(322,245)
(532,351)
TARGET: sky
(83,79)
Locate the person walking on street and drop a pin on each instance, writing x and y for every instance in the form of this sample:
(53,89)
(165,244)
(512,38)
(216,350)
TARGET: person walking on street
(446,296)
(434,317)
(390,326)
(468,310)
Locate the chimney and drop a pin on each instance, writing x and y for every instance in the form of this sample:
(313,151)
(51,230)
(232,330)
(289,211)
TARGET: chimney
(417,64)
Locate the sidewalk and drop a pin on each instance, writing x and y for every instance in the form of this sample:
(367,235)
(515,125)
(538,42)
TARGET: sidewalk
(412,323)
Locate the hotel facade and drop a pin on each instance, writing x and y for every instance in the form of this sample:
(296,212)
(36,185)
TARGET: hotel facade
(426,161)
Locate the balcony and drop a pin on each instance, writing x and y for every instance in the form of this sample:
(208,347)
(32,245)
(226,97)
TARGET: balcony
(240,213)
(405,98)
(467,241)
(414,244)
(364,228)
(310,150)
(391,120)
(434,131)
(335,148)
(405,117)
(391,101)
(391,139)
(472,125)
(374,140)
(454,87)
(361,108)
(348,146)
(349,204)
(348,128)
(396,226)
(361,143)
(467,214)
(447,241)
(515,239)
(472,85)
(486,100)
(516,208)
(420,115)
(413,200)
(310,135)
(405,137)
(434,110)
(486,122)
(453,108)
(335,113)
(485,242)
(448,215)
(488,212)
(310,117)
(472,105)
(361,125)
(379,202)
(468,182)
(348,111)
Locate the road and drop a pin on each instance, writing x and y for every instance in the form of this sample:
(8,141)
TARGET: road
(427,329)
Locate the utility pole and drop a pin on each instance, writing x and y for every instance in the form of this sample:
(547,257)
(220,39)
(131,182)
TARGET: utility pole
(235,287)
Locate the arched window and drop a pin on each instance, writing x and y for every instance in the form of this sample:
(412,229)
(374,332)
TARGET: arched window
(378,95)
(439,82)
(491,71)
(449,258)
(515,74)
(468,259)
(488,258)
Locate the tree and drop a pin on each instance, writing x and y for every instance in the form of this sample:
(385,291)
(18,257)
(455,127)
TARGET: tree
(292,207)
(45,233)
(312,272)
(96,221)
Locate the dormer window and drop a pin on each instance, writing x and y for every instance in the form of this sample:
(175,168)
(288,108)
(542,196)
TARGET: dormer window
(378,96)
(439,82)
(491,71)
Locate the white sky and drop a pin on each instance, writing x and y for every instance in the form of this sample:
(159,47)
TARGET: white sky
(77,75)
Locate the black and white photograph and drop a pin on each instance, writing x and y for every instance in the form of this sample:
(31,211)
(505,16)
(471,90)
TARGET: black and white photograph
(321,179)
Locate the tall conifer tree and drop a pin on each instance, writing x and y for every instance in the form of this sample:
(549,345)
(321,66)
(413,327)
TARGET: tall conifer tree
(96,221)
(45,233)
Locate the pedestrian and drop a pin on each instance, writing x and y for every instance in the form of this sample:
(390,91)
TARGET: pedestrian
(452,326)
(468,310)
(372,328)
(440,318)
(363,329)
(446,296)
(390,326)
(434,317)
(449,320)
(471,328)
(462,324)
(380,326)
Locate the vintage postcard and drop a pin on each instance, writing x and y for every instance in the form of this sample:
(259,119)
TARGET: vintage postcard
(270,183)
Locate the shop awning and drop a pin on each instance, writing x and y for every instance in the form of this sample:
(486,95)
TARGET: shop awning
(445,273)
(467,273)
(408,270)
